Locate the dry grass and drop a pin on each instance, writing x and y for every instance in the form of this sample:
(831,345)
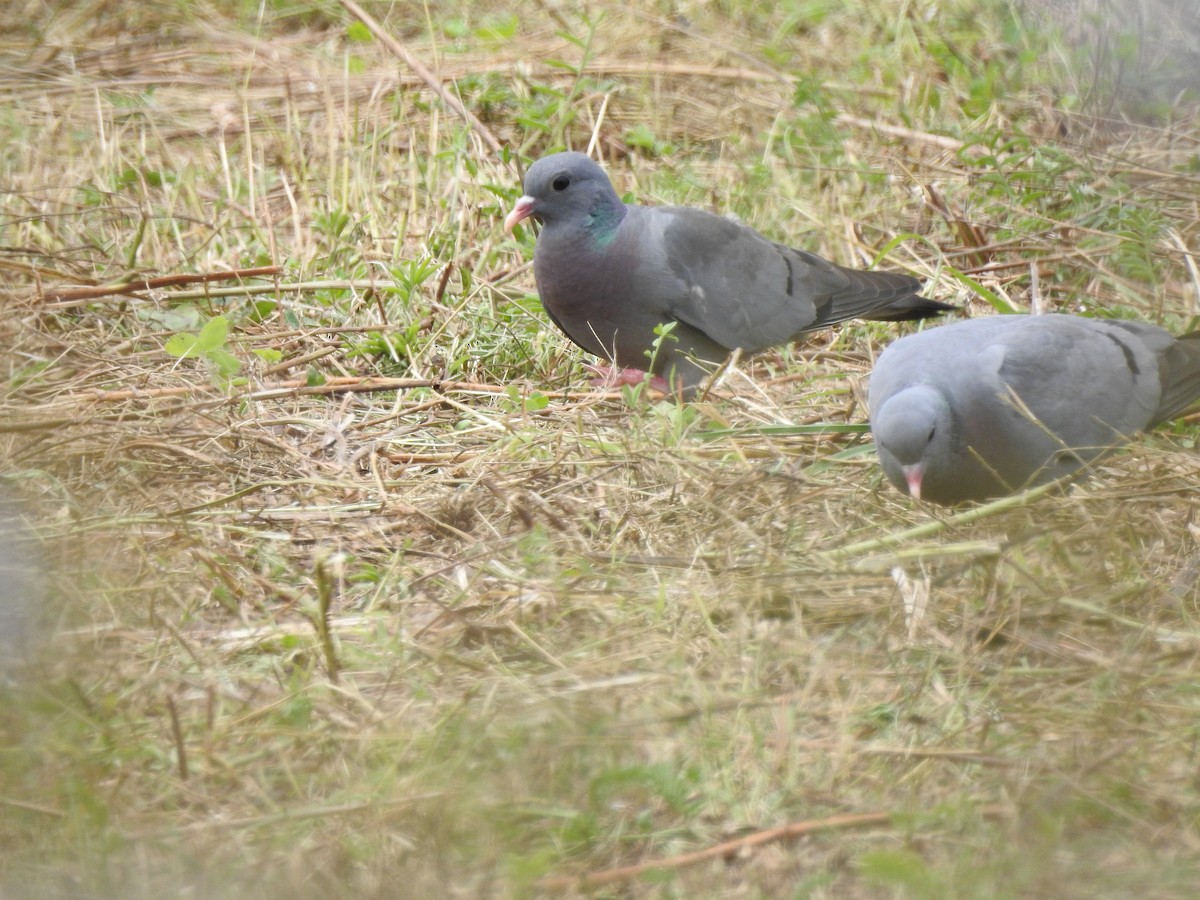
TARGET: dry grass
(472,625)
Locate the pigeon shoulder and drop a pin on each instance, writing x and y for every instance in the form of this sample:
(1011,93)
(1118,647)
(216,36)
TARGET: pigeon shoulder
(940,356)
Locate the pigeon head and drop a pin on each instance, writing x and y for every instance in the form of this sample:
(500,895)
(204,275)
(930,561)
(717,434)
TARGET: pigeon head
(568,188)
(915,433)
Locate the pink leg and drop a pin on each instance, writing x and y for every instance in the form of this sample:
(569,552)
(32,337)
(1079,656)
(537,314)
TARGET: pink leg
(610,376)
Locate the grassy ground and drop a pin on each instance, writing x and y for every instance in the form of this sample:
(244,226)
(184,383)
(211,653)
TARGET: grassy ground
(479,628)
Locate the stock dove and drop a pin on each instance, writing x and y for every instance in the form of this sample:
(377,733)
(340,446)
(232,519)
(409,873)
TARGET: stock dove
(988,406)
(609,274)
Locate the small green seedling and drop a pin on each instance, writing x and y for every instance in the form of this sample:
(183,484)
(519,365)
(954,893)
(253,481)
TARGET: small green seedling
(209,345)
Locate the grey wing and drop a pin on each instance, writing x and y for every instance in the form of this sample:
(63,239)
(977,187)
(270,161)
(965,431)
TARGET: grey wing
(744,291)
(734,283)
(1089,382)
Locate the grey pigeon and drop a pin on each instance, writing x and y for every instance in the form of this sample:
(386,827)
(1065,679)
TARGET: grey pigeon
(985,407)
(610,274)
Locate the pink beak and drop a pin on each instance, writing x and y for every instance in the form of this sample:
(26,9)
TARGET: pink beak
(522,210)
(913,475)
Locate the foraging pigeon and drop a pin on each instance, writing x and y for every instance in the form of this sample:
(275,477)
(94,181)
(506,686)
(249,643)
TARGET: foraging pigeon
(988,406)
(611,276)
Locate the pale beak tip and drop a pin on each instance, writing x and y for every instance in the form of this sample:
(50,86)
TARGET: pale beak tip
(520,211)
(912,477)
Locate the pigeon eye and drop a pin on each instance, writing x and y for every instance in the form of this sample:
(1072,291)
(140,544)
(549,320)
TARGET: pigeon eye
(561,183)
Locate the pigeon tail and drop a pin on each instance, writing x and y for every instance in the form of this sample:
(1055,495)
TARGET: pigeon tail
(910,308)
(1180,368)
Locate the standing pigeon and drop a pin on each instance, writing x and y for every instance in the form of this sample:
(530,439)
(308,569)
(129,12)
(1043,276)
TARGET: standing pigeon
(611,276)
(988,406)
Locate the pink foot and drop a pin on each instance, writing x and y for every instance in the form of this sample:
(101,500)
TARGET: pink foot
(610,376)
